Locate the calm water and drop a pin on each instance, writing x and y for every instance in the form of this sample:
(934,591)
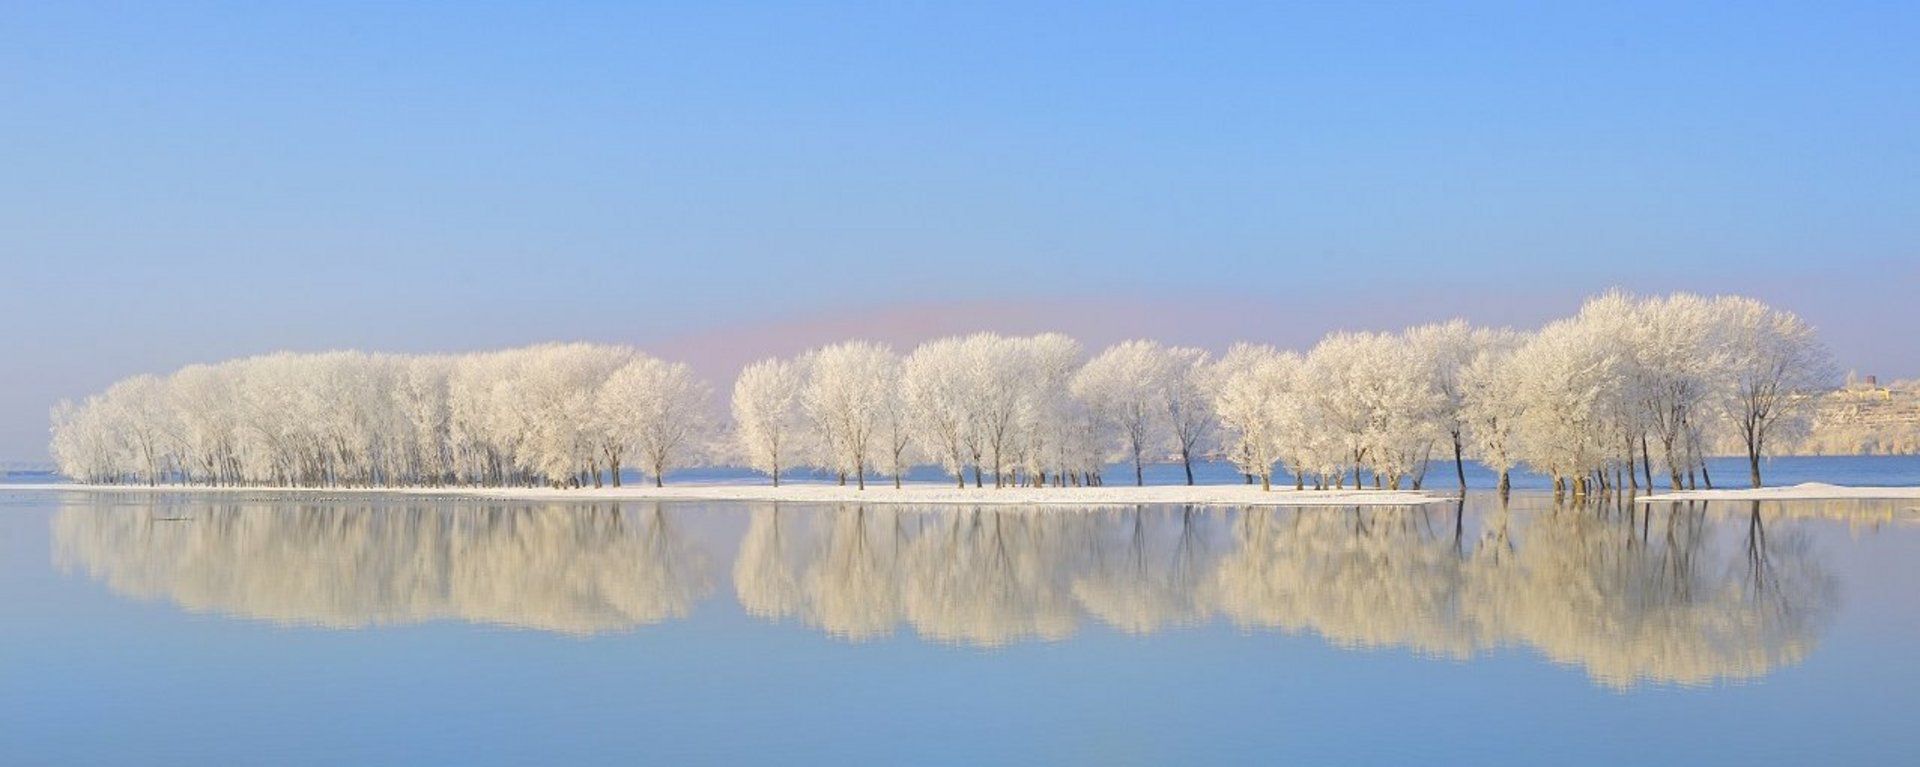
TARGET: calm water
(1868,471)
(193,630)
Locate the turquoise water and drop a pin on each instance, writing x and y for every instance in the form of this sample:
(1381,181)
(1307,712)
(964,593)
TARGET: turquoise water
(184,629)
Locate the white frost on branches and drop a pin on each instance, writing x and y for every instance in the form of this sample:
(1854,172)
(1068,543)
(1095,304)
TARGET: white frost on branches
(1593,401)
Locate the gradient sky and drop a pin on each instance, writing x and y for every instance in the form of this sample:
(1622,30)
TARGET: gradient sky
(184,182)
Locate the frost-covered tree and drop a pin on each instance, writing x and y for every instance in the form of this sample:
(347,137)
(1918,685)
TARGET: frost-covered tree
(1048,429)
(1444,351)
(201,397)
(1679,359)
(139,411)
(1408,410)
(1125,386)
(1775,367)
(998,375)
(85,443)
(1253,390)
(1490,404)
(766,415)
(933,388)
(896,428)
(1335,370)
(846,397)
(661,411)
(1374,397)
(1569,373)
(1617,315)
(573,417)
(421,399)
(1583,400)
(525,416)
(1186,388)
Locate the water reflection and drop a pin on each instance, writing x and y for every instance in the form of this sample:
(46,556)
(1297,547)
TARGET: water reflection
(1628,595)
(1672,594)
(576,570)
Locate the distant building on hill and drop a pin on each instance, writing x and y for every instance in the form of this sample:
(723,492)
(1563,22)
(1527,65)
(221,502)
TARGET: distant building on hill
(1864,417)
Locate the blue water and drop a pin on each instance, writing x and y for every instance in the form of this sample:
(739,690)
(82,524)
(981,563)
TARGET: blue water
(1871,471)
(184,629)
(1868,471)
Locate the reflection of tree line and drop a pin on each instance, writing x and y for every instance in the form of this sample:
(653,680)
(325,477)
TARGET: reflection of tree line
(1658,600)
(575,570)
(1626,594)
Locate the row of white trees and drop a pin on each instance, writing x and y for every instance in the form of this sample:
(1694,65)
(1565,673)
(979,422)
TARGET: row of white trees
(1029,411)
(556,414)
(1594,401)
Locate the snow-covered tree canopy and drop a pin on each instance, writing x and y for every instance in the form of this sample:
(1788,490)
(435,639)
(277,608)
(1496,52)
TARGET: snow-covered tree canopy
(557,414)
(1593,400)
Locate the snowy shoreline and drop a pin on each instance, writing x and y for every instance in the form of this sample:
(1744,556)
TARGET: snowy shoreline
(913,494)
(1807,491)
(942,494)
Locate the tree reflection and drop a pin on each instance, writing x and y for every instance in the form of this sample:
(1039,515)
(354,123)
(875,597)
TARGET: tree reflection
(988,577)
(1360,577)
(1627,594)
(570,569)
(1661,609)
(1145,571)
(765,580)
(1671,593)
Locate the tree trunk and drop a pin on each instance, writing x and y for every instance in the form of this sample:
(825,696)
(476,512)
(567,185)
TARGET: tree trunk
(1266,482)
(1459,462)
(1673,466)
(1139,473)
(1633,477)
(1646,462)
(1187,460)
(1506,483)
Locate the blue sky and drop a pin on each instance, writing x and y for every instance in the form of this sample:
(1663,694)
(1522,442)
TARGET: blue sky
(184,182)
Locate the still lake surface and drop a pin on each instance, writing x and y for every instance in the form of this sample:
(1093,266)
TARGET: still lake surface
(189,629)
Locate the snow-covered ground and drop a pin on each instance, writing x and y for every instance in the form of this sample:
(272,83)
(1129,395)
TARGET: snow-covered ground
(1806,491)
(919,493)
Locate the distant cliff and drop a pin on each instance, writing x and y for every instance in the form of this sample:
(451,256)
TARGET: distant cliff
(1865,417)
